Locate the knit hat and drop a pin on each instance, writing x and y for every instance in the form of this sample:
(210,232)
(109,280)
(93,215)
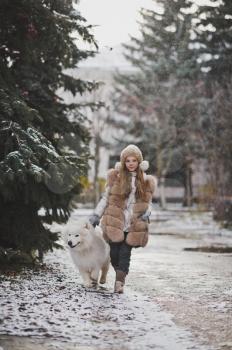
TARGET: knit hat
(132,150)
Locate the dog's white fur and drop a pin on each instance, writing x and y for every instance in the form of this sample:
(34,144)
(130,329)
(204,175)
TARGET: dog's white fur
(89,251)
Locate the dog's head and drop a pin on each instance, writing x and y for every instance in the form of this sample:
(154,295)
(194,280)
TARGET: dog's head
(78,234)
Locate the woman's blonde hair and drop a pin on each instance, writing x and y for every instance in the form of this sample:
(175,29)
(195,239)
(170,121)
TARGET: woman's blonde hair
(125,182)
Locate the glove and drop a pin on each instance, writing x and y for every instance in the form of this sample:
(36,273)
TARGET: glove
(94,220)
(145,217)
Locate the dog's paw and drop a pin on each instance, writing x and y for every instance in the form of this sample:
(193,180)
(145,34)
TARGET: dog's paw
(102,281)
(91,284)
(94,283)
(88,284)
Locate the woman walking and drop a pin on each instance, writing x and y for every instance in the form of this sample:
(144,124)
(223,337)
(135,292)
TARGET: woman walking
(124,210)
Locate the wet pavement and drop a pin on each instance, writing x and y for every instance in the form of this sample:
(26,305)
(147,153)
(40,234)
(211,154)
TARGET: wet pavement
(174,299)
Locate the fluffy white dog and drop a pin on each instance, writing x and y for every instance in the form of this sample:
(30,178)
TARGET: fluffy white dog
(89,251)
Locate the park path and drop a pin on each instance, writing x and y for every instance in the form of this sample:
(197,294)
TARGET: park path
(174,299)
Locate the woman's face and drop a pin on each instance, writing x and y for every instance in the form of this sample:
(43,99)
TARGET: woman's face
(131,163)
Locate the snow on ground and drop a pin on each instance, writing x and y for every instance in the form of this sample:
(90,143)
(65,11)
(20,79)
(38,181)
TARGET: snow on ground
(52,304)
(188,223)
(173,300)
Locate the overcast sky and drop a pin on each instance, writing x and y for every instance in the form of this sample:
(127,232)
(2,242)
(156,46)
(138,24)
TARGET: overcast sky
(116,19)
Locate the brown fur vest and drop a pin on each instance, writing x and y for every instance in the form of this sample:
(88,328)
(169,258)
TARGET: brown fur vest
(112,222)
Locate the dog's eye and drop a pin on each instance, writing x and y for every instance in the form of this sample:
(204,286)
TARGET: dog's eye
(77,236)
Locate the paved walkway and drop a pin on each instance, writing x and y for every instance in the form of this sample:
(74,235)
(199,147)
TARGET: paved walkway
(174,299)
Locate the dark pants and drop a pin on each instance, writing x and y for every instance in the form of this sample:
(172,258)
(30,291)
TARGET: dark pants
(120,253)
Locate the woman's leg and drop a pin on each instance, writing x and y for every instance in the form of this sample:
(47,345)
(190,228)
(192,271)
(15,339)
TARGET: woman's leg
(114,253)
(123,266)
(124,257)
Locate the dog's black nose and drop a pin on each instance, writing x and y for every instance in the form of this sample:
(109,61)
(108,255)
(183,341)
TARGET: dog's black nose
(70,243)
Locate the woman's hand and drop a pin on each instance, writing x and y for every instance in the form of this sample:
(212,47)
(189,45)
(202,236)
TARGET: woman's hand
(145,217)
(94,220)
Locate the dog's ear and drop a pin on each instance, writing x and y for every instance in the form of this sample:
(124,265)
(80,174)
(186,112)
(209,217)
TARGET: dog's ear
(87,225)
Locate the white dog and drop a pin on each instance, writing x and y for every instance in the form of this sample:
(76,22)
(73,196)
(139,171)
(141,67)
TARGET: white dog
(89,251)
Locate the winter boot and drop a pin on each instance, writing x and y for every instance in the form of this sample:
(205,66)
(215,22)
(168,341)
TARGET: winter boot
(119,281)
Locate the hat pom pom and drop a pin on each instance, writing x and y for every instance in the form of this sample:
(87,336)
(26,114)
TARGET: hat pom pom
(144,165)
(118,166)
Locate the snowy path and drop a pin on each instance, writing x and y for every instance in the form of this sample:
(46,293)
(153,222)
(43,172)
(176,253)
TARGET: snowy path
(174,300)
(53,305)
(195,287)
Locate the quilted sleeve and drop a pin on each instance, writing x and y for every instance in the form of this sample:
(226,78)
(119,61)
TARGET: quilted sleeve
(100,208)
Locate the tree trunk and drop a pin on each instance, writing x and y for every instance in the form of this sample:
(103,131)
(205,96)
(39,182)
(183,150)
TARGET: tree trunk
(188,192)
(163,202)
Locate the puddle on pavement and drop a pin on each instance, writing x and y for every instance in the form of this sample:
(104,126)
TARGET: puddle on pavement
(210,249)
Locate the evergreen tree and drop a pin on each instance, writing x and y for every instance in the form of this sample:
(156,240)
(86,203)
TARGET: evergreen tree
(43,141)
(213,31)
(213,51)
(159,97)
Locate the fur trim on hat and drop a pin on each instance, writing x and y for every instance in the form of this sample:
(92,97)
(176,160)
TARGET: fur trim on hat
(131,150)
(144,165)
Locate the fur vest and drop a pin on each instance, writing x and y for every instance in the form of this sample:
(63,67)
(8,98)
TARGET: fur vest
(112,222)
